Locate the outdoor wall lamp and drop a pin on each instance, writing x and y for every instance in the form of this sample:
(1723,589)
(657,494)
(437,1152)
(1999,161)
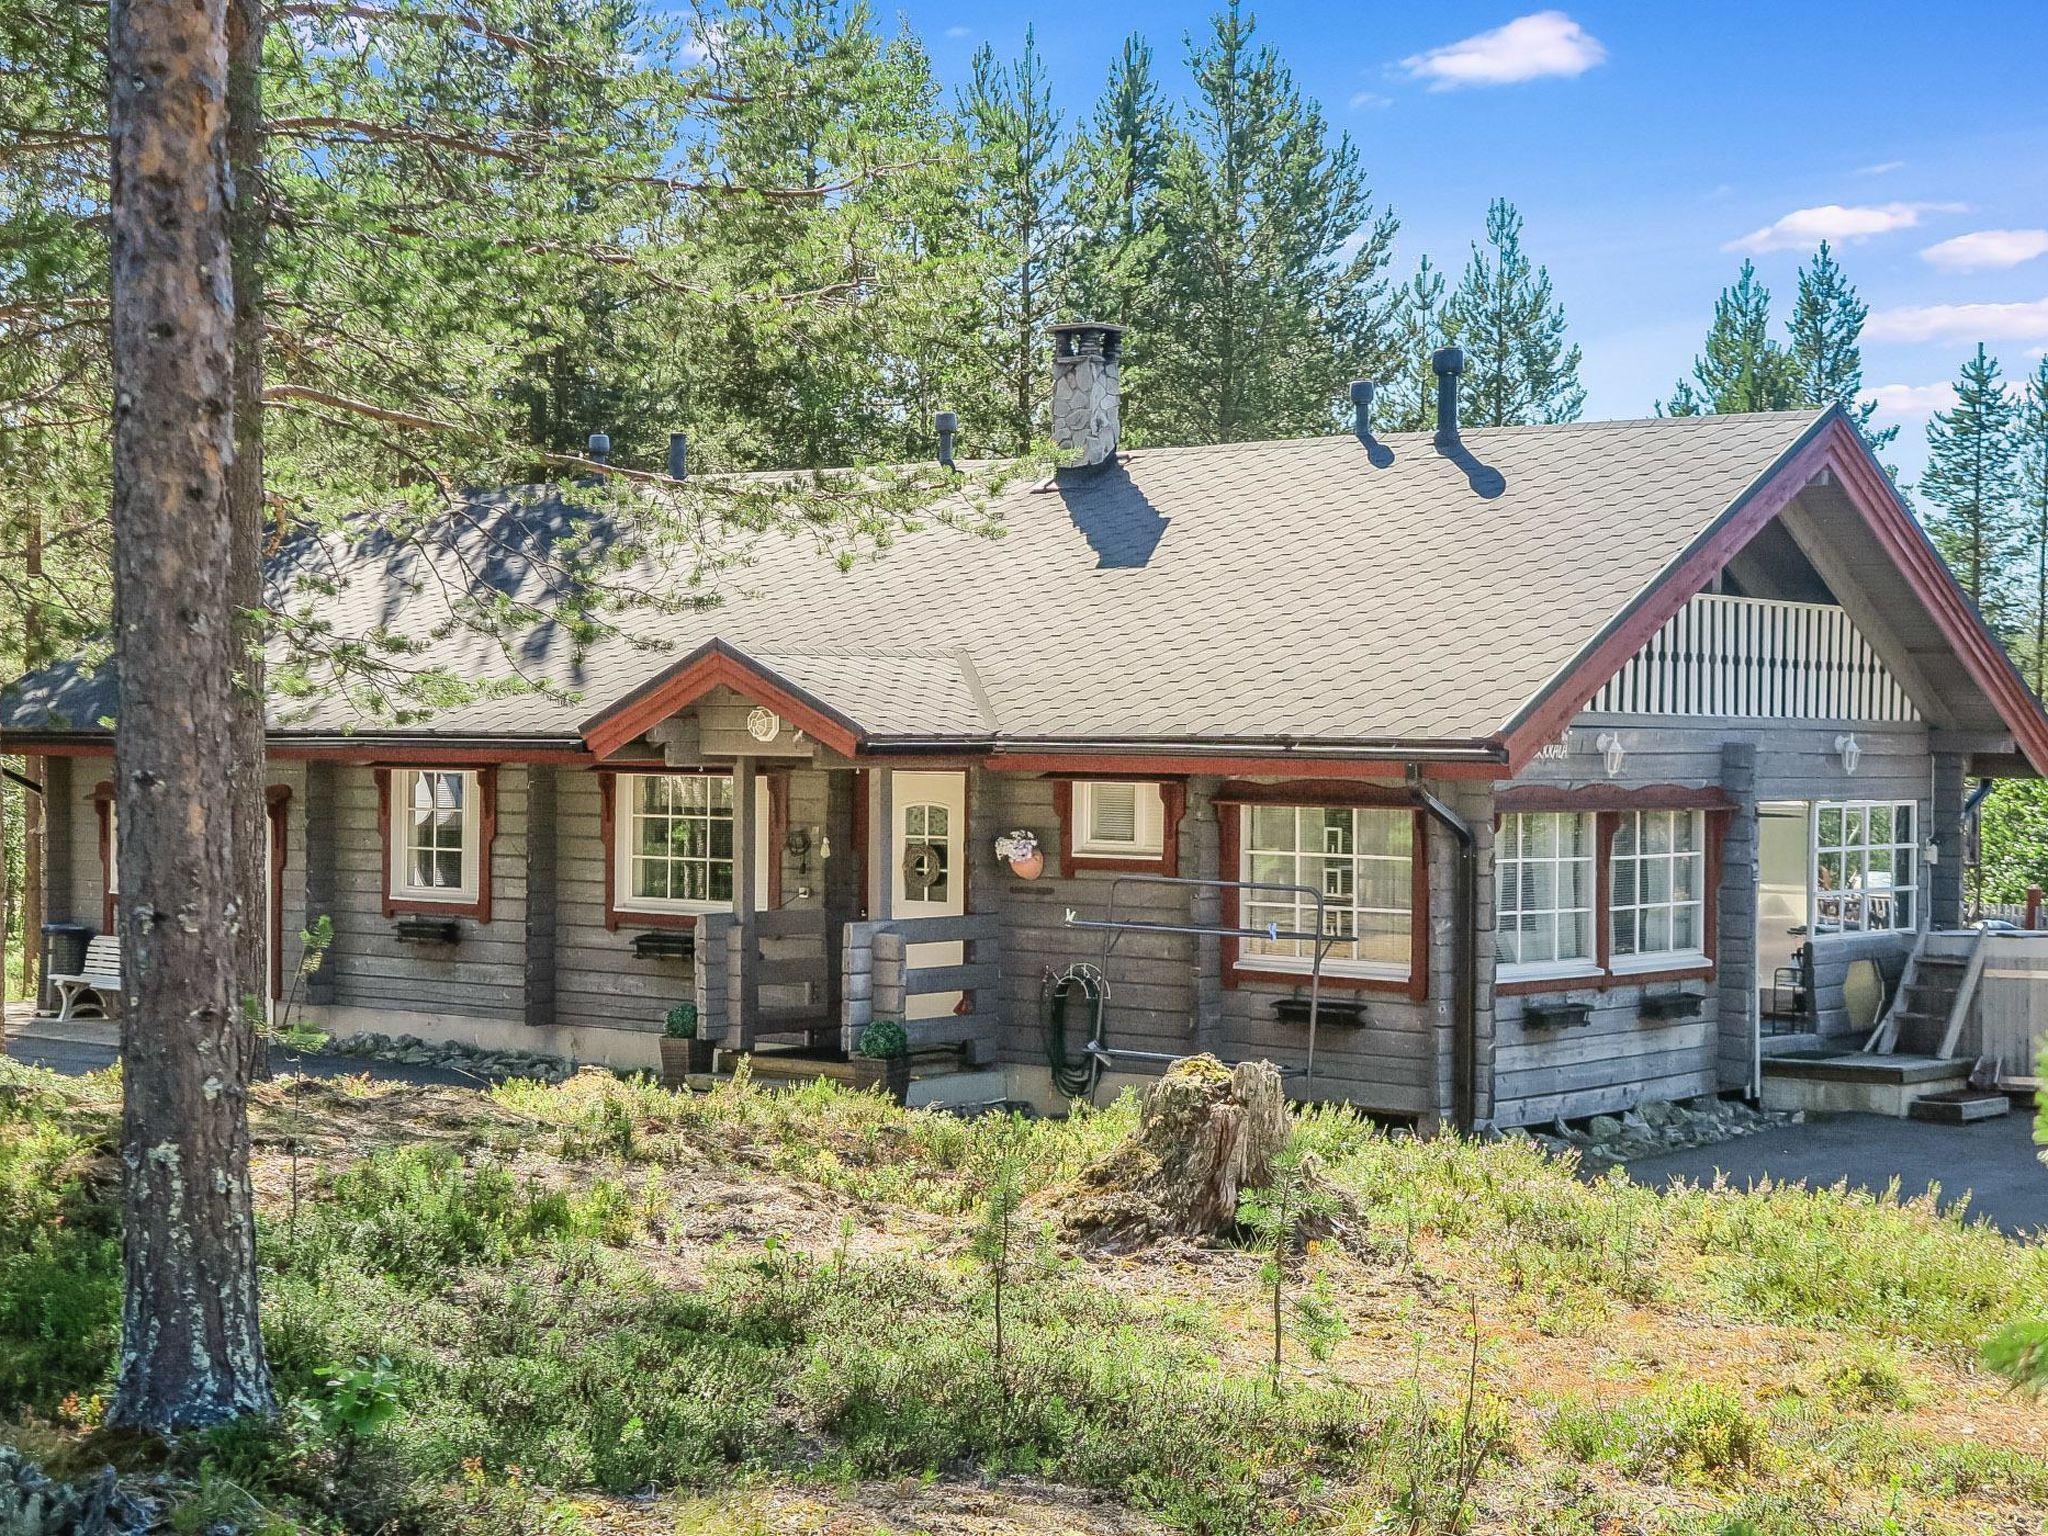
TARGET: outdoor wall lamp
(1612,753)
(1851,750)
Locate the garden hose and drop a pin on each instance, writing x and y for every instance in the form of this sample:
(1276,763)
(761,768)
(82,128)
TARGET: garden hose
(1075,1078)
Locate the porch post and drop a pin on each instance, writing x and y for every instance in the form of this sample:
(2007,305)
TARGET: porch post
(881,842)
(1737,998)
(746,998)
(1201,858)
(1945,880)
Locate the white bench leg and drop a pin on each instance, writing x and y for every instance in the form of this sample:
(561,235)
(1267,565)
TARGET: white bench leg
(67,998)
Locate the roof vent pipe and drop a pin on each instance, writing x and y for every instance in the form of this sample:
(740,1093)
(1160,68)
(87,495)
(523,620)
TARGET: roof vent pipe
(1361,409)
(948,424)
(600,446)
(678,456)
(1449,362)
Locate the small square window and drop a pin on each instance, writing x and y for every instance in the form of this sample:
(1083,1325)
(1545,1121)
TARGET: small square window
(436,850)
(1119,820)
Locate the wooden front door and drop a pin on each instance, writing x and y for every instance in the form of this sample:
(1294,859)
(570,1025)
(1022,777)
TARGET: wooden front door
(928,870)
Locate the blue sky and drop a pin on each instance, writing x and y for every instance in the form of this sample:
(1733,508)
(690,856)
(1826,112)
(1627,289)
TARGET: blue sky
(1650,141)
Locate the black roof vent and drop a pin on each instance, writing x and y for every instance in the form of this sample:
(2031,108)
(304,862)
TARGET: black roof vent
(678,456)
(1449,362)
(948,425)
(600,446)
(1361,409)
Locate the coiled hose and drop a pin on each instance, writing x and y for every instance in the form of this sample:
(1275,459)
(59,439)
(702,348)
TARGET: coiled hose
(1074,1077)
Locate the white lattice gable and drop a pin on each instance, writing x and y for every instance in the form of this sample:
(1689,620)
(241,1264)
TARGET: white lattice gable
(1758,658)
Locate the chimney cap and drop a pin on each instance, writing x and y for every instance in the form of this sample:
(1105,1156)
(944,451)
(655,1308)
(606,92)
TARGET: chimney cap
(1447,360)
(600,446)
(1361,391)
(947,421)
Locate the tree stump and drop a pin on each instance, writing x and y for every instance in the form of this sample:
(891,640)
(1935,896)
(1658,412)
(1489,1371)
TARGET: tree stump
(1206,1132)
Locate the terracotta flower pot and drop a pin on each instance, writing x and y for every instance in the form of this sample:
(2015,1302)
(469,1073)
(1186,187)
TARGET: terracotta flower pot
(1030,867)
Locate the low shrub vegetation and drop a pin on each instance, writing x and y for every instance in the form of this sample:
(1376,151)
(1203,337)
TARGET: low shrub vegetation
(602,1306)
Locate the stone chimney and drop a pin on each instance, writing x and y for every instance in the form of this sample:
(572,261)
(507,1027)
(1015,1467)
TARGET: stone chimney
(1086,362)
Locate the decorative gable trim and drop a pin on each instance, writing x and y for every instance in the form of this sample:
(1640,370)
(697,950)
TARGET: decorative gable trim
(712,665)
(1832,443)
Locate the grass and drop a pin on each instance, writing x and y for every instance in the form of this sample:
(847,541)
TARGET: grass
(527,1310)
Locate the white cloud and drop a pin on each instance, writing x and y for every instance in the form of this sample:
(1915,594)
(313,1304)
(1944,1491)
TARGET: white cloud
(704,36)
(958,32)
(1960,322)
(1882,168)
(1545,43)
(1804,228)
(1912,402)
(1988,248)
(1360,100)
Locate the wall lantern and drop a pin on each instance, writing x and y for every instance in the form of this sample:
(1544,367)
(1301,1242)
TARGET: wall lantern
(1612,753)
(1851,750)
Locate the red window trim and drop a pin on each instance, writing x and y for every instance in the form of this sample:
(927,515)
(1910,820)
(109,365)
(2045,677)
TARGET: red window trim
(1603,977)
(1415,986)
(1173,799)
(487,833)
(276,801)
(103,808)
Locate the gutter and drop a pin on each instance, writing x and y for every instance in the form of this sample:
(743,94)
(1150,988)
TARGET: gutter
(1465,1029)
(1359,748)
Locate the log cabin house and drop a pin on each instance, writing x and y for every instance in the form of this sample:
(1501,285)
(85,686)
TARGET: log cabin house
(1596,752)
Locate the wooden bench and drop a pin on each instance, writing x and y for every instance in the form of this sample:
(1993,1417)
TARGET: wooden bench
(96,984)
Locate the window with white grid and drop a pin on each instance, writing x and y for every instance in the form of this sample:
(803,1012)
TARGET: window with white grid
(1361,860)
(434,834)
(1657,878)
(675,841)
(1543,890)
(1865,865)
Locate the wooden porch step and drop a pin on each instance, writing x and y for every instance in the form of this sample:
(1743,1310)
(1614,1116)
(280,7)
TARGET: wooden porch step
(1959,1107)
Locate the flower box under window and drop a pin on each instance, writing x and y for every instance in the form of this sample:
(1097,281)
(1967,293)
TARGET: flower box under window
(1665,1007)
(1557,1015)
(665,944)
(1294,1010)
(427,930)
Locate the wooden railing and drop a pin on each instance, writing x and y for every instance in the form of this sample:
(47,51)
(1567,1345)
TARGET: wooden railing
(1757,658)
(880,978)
(794,974)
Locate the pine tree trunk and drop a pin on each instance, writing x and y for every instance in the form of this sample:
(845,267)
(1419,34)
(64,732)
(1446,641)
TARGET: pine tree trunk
(191,1347)
(32,816)
(246,769)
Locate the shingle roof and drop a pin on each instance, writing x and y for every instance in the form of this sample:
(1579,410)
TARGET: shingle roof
(1306,589)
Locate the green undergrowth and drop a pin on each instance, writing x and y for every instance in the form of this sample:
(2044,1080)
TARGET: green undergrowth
(475,1331)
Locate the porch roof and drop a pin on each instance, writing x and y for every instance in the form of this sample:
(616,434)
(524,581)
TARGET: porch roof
(1311,593)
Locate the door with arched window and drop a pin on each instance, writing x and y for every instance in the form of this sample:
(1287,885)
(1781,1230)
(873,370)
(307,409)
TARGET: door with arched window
(928,871)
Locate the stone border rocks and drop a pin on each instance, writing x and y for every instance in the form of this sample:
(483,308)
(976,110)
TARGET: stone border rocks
(453,1056)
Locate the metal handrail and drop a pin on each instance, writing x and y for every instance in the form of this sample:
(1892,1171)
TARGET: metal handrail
(1114,928)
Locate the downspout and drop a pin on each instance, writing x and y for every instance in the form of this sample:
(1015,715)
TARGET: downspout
(1971,802)
(1465,1021)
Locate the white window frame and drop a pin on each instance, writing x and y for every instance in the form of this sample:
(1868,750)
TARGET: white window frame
(1668,959)
(1509,836)
(625,816)
(1335,965)
(1148,821)
(403,781)
(1905,861)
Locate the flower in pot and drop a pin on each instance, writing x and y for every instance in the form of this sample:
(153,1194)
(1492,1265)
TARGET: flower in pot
(682,1052)
(882,1058)
(1020,850)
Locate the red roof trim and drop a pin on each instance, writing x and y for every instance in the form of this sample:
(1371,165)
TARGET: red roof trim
(1834,444)
(710,666)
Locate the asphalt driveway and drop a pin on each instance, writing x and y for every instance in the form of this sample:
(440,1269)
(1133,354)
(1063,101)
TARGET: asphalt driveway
(1993,1163)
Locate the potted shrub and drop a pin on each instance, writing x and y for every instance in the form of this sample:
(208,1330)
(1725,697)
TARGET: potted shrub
(681,1051)
(882,1059)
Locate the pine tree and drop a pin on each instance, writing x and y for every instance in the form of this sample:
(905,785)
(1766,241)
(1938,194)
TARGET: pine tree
(1407,402)
(1116,234)
(1259,203)
(1519,368)
(1972,456)
(1741,369)
(1825,355)
(1021,166)
(2032,452)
